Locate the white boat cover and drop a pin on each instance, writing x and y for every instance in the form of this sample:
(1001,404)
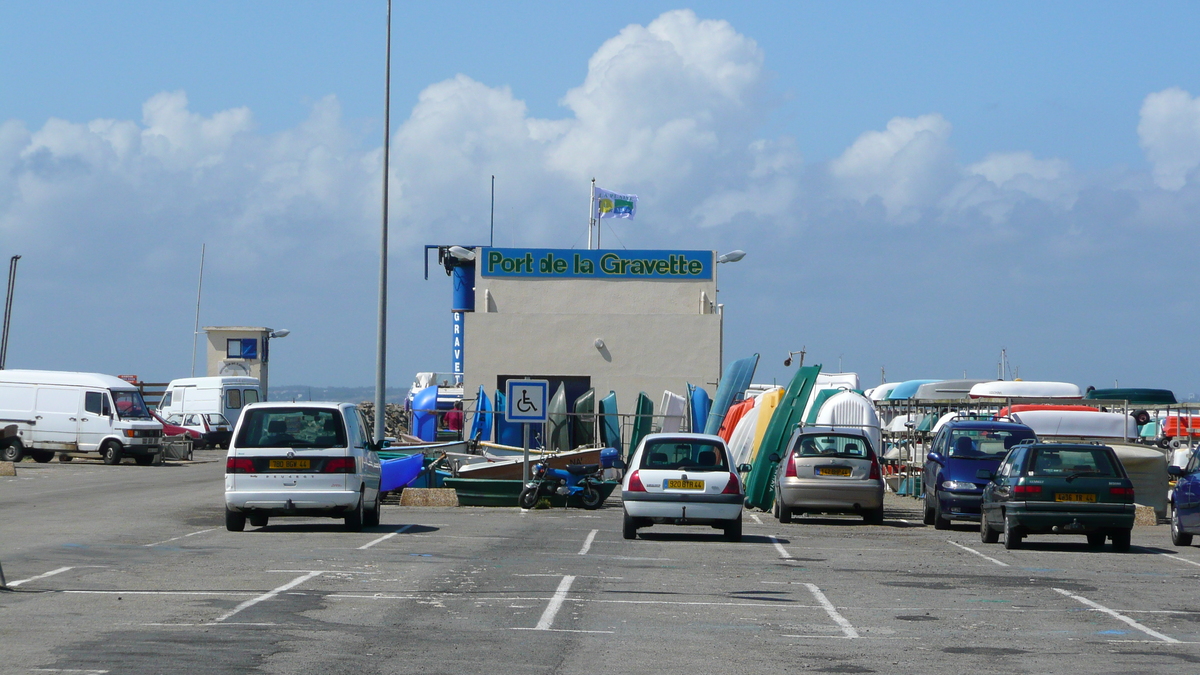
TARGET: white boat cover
(838,380)
(852,412)
(946,389)
(1077,424)
(1147,468)
(881,392)
(1021,388)
(741,441)
(897,424)
(673,407)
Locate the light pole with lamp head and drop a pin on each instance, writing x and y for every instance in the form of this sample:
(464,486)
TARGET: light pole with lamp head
(282,332)
(788,361)
(731,257)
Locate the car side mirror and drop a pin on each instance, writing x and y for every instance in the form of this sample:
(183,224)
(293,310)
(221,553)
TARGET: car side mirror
(618,463)
(744,468)
(1173,470)
(935,457)
(984,474)
(774,457)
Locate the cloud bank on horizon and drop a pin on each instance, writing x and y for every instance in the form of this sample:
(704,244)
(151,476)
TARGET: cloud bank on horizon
(673,111)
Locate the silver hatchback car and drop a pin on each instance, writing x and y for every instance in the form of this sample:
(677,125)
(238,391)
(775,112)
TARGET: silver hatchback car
(829,470)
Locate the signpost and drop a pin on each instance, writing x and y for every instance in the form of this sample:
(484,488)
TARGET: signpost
(525,403)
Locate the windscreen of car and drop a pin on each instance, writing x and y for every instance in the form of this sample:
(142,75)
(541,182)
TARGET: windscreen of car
(1068,462)
(216,418)
(832,445)
(297,428)
(986,443)
(684,455)
(130,405)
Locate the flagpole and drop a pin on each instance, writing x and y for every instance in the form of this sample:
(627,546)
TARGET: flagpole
(591,214)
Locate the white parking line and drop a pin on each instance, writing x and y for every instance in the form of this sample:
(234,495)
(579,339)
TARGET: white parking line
(840,620)
(779,547)
(555,603)
(385,537)
(190,534)
(1167,555)
(971,550)
(268,595)
(1116,615)
(40,576)
(587,543)
(754,517)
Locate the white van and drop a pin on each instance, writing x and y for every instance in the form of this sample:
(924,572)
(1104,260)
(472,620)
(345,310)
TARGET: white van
(222,395)
(57,411)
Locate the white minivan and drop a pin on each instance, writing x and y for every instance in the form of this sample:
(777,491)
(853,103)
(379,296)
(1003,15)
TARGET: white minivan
(55,411)
(221,395)
(301,459)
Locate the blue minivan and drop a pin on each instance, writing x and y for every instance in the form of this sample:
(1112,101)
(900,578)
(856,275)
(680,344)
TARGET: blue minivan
(1185,501)
(953,490)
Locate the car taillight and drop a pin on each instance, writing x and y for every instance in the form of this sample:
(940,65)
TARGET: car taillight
(790,470)
(339,465)
(734,486)
(239,465)
(874,475)
(635,483)
(1027,489)
(1121,492)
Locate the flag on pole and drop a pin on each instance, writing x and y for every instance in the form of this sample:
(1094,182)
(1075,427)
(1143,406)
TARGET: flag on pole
(613,205)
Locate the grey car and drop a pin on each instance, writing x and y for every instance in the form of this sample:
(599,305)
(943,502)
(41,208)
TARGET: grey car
(829,470)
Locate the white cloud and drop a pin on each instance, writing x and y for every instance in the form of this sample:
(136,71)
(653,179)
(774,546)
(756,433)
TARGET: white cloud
(1169,133)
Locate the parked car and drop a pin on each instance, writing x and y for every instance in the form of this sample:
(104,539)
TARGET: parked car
(829,470)
(56,411)
(959,451)
(170,429)
(301,459)
(683,479)
(1185,501)
(214,430)
(1058,488)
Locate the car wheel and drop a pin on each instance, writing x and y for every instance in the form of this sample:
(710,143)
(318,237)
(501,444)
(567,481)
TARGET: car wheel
(111,452)
(1120,540)
(1178,537)
(528,498)
(41,457)
(629,527)
(234,521)
(64,457)
(940,522)
(874,516)
(783,512)
(354,519)
(1096,539)
(13,452)
(1011,538)
(591,497)
(371,516)
(986,534)
(258,521)
(733,531)
(929,514)
(144,460)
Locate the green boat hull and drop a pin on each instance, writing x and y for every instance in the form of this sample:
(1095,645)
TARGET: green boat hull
(585,420)
(486,492)
(760,484)
(644,418)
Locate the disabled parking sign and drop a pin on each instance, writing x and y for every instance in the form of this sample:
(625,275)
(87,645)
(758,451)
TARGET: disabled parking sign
(526,401)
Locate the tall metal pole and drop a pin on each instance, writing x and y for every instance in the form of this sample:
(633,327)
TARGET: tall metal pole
(381,348)
(8,302)
(492,228)
(591,213)
(196,330)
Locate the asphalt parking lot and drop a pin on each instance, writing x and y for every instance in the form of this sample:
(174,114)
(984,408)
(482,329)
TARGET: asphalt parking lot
(129,569)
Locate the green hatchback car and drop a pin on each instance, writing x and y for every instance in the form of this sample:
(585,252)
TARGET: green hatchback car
(1058,488)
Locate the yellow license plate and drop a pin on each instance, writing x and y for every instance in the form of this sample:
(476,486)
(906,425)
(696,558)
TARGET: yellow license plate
(685,485)
(1073,497)
(289,464)
(833,471)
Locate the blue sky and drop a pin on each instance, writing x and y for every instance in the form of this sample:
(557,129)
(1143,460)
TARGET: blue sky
(917,184)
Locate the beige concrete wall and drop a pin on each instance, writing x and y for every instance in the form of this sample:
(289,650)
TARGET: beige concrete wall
(657,334)
(217,355)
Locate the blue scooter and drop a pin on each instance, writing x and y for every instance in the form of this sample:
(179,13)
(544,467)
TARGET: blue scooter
(577,479)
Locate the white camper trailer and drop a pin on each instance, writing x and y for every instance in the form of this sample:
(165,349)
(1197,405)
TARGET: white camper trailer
(55,411)
(222,395)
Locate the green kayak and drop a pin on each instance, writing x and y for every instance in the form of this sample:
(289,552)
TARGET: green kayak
(760,485)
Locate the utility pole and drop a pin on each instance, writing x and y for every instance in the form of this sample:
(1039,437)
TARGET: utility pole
(8,302)
(381,347)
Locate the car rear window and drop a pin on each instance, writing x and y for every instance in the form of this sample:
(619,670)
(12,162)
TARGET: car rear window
(296,428)
(986,443)
(216,418)
(682,454)
(1072,462)
(832,445)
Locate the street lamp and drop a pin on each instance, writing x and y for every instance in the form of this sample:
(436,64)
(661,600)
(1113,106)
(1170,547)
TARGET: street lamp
(788,360)
(282,332)
(731,257)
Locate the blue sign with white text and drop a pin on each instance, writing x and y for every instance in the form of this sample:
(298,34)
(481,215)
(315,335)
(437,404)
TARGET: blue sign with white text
(547,263)
(457,359)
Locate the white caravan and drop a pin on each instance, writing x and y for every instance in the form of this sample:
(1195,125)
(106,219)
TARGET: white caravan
(54,411)
(223,395)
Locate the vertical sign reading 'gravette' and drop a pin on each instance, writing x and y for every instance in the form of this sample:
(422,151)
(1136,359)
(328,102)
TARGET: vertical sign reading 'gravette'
(543,263)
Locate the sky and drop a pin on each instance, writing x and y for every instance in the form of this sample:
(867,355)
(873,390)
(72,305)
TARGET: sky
(917,185)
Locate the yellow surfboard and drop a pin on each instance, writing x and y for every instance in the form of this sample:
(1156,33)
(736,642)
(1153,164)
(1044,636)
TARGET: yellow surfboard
(767,402)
